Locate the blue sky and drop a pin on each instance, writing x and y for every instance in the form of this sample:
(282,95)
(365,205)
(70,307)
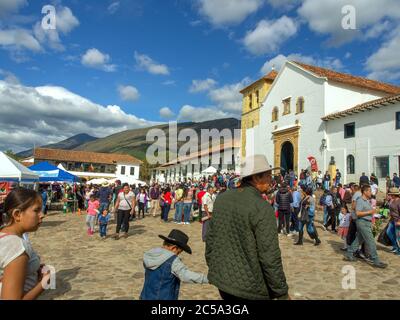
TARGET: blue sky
(115,65)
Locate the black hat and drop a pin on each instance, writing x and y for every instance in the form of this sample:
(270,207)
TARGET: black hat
(179,239)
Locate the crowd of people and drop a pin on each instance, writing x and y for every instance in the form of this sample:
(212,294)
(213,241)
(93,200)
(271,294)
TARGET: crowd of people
(241,220)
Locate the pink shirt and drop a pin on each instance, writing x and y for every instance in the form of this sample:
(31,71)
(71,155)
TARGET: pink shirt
(92,207)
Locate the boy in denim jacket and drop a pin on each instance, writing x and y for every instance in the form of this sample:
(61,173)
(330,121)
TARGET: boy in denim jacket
(164,270)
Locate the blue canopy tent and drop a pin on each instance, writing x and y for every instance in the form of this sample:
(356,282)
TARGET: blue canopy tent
(49,173)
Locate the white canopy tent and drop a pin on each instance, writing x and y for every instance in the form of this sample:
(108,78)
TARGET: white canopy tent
(98,181)
(129,180)
(209,170)
(12,170)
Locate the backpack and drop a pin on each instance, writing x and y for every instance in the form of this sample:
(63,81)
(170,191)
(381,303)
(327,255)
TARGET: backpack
(322,200)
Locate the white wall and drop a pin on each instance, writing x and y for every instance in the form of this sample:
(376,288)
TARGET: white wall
(339,97)
(127,170)
(375,136)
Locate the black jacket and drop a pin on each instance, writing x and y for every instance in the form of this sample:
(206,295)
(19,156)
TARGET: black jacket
(284,198)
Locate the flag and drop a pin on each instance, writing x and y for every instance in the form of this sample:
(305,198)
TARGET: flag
(313,163)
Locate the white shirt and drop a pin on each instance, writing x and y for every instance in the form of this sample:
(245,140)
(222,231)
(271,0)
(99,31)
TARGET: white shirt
(11,247)
(374,189)
(125,204)
(208,200)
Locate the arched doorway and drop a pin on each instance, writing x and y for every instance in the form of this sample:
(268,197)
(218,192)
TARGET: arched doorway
(287,157)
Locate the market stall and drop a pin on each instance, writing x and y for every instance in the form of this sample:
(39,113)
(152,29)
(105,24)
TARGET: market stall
(52,174)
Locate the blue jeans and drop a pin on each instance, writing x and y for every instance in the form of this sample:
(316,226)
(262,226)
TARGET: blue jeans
(187,207)
(165,211)
(393,235)
(337,182)
(178,211)
(103,230)
(325,215)
(326,185)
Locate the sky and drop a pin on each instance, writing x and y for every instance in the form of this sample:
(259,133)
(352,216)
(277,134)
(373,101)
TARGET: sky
(110,66)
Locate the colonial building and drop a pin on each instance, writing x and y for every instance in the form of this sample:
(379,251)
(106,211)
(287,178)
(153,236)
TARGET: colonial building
(90,165)
(253,95)
(316,112)
(192,166)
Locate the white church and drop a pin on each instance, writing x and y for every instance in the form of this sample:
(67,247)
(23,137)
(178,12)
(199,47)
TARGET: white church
(315,112)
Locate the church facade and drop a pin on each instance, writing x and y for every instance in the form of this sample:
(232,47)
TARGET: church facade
(309,112)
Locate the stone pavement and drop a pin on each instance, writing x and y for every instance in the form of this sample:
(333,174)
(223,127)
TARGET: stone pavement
(90,268)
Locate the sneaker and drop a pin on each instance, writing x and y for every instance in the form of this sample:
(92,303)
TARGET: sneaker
(360,255)
(350,259)
(187,223)
(343,249)
(394,250)
(290,235)
(380,265)
(324,228)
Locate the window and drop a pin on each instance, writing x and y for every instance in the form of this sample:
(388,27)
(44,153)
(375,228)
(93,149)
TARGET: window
(123,168)
(86,167)
(286,106)
(382,167)
(275,114)
(69,166)
(78,165)
(192,168)
(252,124)
(350,164)
(397,120)
(350,130)
(132,171)
(251,101)
(300,105)
(103,169)
(258,98)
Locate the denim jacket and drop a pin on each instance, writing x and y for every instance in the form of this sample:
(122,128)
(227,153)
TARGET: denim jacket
(164,272)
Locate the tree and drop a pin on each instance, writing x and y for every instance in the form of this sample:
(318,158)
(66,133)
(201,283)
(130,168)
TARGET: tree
(12,155)
(145,170)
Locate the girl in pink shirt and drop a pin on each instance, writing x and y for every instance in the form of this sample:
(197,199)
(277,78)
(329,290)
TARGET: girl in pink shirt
(92,211)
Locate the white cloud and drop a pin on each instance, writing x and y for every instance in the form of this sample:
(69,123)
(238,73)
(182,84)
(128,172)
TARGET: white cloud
(113,7)
(199,114)
(278,61)
(326,16)
(269,35)
(94,58)
(385,63)
(18,39)
(169,83)
(48,114)
(66,21)
(9,77)
(128,93)
(283,4)
(202,85)
(166,113)
(11,6)
(144,62)
(228,97)
(228,12)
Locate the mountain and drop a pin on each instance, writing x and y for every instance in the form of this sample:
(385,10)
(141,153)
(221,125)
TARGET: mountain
(133,142)
(68,144)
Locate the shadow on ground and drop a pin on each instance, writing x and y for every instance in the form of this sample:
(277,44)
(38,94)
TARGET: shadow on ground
(63,285)
(46,224)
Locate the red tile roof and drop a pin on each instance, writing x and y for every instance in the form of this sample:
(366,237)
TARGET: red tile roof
(374,104)
(350,79)
(83,156)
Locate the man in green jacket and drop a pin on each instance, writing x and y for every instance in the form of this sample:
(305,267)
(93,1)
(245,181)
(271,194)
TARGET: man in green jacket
(242,248)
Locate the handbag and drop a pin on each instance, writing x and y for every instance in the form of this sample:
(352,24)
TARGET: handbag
(352,233)
(304,218)
(383,238)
